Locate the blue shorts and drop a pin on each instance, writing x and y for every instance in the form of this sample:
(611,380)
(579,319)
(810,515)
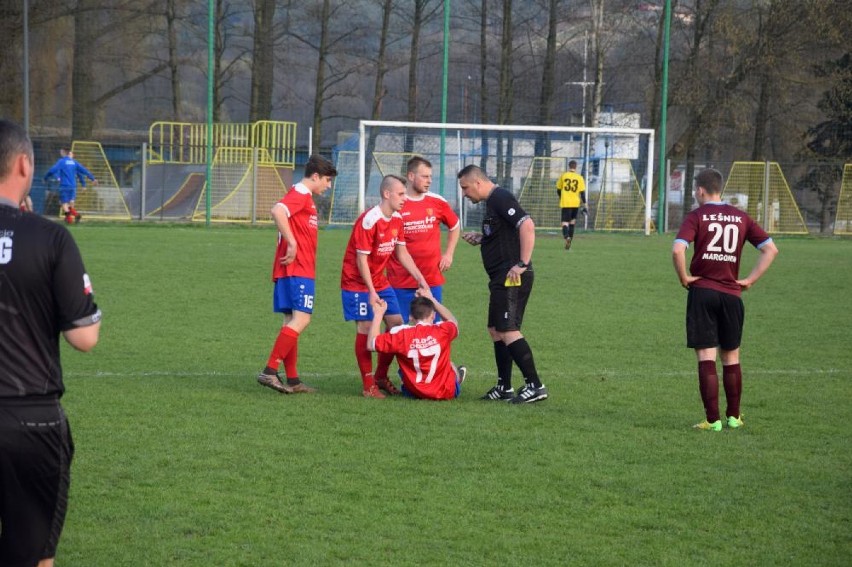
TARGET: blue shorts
(404,295)
(356,304)
(67,194)
(293,293)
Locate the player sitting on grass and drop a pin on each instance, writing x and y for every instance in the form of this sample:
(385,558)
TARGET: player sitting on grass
(423,349)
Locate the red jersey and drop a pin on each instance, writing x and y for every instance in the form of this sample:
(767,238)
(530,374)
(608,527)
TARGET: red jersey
(423,354)
(422,218)
(302,214)
(719,231)
(375,235)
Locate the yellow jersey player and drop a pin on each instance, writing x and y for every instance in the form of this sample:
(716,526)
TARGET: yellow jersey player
(571,189)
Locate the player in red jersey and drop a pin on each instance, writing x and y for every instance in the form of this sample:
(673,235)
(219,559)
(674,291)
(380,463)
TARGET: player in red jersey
(714,308)
(422,349)
(423,214)
(376,235)
(294,272)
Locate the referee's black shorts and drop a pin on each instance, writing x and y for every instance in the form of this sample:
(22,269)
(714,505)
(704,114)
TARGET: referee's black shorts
(506,304)
(35,463)
(713,319)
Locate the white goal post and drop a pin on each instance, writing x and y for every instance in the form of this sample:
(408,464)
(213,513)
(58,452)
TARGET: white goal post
(526,160)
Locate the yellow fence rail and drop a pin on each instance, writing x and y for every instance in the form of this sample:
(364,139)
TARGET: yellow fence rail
(186,142)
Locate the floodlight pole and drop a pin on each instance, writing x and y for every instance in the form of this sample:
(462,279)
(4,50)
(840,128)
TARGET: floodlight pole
(584,83)
(664,103)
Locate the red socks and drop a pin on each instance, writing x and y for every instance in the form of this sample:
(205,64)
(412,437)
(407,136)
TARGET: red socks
(732,378)
(285,350)
(708,385)
(383,363)
(365,361)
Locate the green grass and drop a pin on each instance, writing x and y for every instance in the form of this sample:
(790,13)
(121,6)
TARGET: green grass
(182,459)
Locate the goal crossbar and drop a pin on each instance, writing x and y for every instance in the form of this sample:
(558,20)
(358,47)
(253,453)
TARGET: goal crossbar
(602,130)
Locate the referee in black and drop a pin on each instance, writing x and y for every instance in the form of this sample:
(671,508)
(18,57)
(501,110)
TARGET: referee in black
(507,241)
(44,292)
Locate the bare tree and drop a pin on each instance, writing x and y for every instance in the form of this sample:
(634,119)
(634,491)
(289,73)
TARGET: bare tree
(506,94)
(262,61)
(174,68)
(548,73)
(380,90)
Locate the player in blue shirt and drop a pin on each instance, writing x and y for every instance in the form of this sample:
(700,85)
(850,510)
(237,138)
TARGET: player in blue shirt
(68,170)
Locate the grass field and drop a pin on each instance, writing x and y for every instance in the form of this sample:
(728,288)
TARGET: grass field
(182,459)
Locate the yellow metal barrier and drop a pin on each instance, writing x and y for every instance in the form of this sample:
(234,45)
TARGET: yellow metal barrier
(186,143)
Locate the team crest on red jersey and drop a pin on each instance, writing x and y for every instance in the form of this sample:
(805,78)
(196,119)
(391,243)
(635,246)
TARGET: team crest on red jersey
(394,233)
(430,211)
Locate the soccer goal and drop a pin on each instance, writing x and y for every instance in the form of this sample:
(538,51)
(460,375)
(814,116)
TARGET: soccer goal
(244,185)
(106,199)
(843,219)
(526,160)
(767,196)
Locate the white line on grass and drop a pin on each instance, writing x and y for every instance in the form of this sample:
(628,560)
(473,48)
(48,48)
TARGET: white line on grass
(601,373)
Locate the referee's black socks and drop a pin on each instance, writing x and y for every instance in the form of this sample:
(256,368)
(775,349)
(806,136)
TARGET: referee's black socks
(523,357)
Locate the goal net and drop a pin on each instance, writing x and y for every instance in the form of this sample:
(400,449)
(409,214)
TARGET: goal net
(526,160)
(766,195)
(244,185)
(106,199)
(843,220)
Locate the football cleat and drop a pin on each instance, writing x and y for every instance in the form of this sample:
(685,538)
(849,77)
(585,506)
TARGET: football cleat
(374,392)
(387,386)
(301,388)
(462,374)
(735,422)
(528,394)
(272,381)
(499,393)
(707,426)
(77,218)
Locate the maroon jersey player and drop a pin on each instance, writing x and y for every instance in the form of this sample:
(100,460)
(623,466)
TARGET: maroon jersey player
(714,309)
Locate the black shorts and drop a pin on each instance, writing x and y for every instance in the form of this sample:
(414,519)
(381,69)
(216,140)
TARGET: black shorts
(713,319)
(35,473)
(506,305)
(569,214)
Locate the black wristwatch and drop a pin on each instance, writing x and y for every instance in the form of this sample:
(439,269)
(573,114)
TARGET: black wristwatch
(523,265)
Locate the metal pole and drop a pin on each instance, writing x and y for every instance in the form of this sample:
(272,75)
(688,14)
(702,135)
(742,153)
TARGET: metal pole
(362,166)
(766,224)
(585,170)
(253,185)
(144,181)
(26,66)
(211,38)
(664,103)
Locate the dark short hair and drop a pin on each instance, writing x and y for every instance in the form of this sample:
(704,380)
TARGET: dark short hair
(388,179)
(420,308)
(474,170)
(318,164)
(711,180)
(13,142)
(416,162)
(572,164)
